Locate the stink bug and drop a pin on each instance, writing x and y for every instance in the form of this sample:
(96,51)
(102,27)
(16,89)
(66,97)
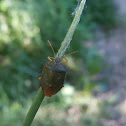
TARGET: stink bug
(53,75)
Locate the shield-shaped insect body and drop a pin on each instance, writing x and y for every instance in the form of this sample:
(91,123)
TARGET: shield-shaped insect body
(53,76)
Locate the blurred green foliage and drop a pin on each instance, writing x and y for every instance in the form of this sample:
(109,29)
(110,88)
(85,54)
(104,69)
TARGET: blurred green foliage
(25,27)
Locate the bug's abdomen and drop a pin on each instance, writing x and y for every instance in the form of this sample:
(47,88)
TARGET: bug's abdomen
(52,78)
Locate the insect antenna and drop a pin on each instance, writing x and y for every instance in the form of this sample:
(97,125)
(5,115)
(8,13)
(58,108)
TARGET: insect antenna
(70,53)
(52,49)
(67,55)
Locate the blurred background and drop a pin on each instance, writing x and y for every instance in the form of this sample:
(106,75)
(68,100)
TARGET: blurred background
(94,92)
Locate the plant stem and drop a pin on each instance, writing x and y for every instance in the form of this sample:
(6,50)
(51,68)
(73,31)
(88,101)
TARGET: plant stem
(71,30)
(34,108)
(40,96)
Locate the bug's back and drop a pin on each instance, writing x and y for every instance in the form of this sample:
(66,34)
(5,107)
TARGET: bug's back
(53,76)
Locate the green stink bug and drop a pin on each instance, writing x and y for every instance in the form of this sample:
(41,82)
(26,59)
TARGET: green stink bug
(53,74)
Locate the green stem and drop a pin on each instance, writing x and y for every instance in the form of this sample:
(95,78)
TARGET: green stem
(71,30)
(40,96)
(34,108)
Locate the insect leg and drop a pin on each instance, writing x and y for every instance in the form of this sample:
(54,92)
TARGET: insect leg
(49,58)
(40,78)
(65,59)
